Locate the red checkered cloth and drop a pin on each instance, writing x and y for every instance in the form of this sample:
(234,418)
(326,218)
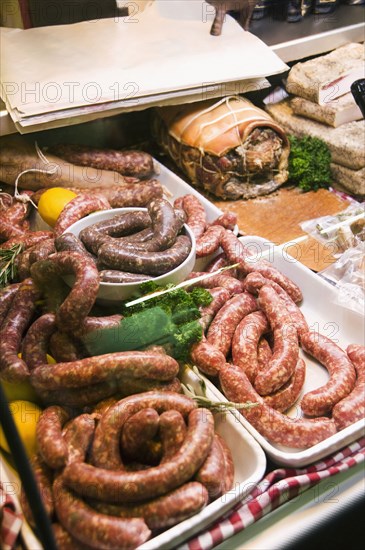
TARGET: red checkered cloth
(10,521)
(276,488)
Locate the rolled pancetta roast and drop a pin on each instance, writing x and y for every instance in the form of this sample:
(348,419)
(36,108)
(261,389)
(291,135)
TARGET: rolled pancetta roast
(229,147)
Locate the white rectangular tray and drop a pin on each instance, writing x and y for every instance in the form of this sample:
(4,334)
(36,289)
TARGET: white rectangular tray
(326,316)
(249,462)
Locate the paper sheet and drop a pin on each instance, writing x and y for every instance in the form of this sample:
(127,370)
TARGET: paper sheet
(164,49)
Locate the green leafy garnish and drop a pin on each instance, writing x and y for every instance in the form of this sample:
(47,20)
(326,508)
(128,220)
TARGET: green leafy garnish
(309,163)
(7,263)
(170,320)
(172,301)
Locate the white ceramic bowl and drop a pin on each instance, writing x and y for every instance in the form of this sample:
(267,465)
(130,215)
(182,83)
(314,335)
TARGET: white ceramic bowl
(110,293)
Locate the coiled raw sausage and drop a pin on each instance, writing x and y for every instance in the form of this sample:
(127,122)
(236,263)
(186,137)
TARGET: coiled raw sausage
(120,486)
(272,424)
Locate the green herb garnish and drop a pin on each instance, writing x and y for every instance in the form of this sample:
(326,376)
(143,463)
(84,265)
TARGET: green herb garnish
(309,163)
(8,268)
(203,401)
(170,320)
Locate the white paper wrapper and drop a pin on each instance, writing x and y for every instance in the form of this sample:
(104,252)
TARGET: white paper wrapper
(163,49)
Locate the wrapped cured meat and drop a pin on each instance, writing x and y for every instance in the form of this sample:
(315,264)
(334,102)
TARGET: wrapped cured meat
(229,147)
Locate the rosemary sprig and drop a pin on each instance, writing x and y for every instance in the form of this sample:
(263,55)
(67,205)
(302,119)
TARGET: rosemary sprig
(204,401)
(7,263)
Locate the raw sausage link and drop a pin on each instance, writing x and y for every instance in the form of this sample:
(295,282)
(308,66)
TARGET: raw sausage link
(7,295)
(22,264)
(101,531)
(8,230)
(12,367)
(128,223)
(352,408)
(228,477)
(151,263)
(128,163)
(115,276)
(178,203)
(18,211)
(232,247)
(264,354)
(357,355)
(92,324)
(272,424)
(81,298)
(139,237)
(285,351)
(207,357)
(78,435)
(64,348)
(28,239)
(90,395)
(165,226)
(120,486)
(51,445)
(220,297)
(100,368)
(245,342)
(36,341)
(342,374)
(44,477)
(53,288)
(222,328)
(230,283)
(137,433)
(228,220)
(78,208)
(196,216)
(172,433)
(209,242)
(41,251)
(164,511)
(133,195)
(217,263)
(128,386)
(288,394)
(254,281)
(35,253)
(79,397)
(69,242)
(65,541)
(164,223)
(105,450)
(210,473)
(270,272)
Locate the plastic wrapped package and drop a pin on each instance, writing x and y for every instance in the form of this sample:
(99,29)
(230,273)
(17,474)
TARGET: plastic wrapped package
(348,274)
(339,232)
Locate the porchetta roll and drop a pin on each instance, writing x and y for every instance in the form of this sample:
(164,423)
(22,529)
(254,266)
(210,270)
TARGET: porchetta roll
(229,147)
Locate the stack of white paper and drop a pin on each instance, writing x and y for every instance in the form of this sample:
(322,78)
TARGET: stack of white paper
(67,74)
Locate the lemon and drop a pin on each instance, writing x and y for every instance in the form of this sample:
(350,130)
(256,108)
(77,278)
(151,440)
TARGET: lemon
(52,202)
(19,390)
(26,415)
